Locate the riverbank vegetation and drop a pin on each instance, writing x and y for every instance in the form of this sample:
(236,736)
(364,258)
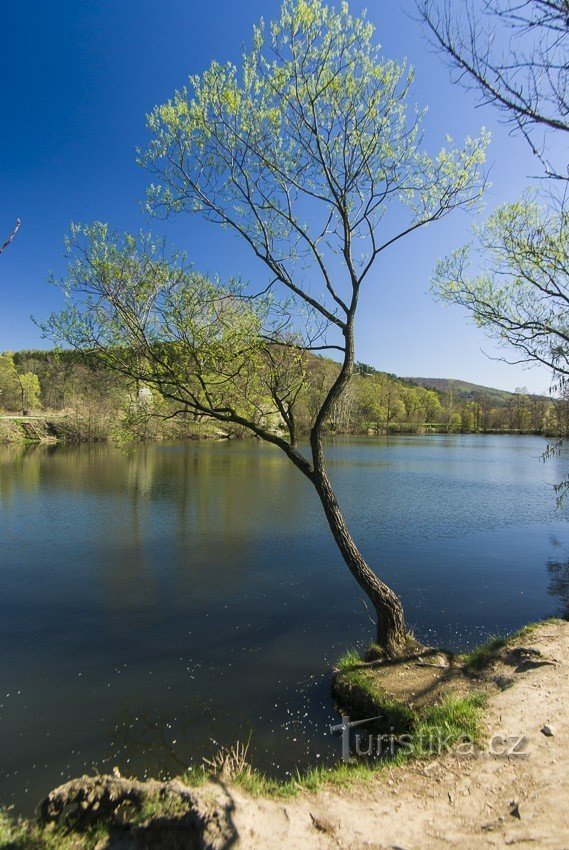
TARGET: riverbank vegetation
(79,400)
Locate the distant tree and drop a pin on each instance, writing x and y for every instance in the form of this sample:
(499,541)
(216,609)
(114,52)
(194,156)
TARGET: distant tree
(11,236)
(302,152)
(30,391)
(371,409)
(454,422)
(17,391)
(9,384)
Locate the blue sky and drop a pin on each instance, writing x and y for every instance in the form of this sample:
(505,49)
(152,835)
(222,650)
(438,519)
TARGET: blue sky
(77,81)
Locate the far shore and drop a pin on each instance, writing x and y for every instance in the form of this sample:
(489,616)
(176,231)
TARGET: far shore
(38,428)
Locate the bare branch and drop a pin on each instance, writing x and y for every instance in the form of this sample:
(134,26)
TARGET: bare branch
(10,238)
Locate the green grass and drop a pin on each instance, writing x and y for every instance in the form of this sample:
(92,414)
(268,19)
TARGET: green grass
(532,627)
(453,721)
(485,654)
(354,687)
(348,661)
(196,776)
(169,807)
(28,835)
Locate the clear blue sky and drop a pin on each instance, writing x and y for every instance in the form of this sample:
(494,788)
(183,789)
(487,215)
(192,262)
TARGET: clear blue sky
(77,81)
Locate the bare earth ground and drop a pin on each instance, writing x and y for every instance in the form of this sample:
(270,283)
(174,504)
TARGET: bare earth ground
(458,802)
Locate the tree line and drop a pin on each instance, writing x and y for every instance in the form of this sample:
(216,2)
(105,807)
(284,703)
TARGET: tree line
(375,402)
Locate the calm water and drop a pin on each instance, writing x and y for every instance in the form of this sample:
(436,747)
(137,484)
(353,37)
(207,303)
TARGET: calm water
(153,604)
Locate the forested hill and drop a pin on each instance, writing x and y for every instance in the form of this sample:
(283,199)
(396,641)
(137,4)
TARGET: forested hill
(465,391)
(102,403)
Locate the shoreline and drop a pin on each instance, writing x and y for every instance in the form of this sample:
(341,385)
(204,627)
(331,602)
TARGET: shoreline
(54,429)
(512,790)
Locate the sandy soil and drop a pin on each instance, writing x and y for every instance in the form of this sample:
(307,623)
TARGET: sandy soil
(463,802)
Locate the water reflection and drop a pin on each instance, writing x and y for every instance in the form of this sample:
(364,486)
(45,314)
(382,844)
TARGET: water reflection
(558,569)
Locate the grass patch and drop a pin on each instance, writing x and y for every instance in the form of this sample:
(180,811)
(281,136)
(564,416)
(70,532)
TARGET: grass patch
(340,775)
(159,807)
(485,654)
(440,727)
(354,687)
(454,720)
(532,627)
(196,776)
(28,835)
(348,661)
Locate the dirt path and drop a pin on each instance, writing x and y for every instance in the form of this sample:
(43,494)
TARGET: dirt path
(486,801)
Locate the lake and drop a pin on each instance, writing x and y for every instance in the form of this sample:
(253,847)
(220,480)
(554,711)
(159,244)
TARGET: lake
(157,604)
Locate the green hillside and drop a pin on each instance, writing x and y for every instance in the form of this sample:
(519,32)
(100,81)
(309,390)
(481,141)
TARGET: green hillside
(465,391)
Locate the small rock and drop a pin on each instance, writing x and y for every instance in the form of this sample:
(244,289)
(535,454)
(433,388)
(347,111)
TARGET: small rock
(548,730)
(515,809)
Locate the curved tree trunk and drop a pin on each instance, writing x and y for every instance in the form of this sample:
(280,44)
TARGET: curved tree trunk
(391,631)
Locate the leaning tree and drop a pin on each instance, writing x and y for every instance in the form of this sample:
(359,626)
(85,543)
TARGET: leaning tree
(310,154)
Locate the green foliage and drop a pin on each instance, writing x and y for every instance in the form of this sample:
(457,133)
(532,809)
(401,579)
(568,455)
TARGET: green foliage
(146,314)
(314,115)
(98,403)
(30,391)
(520,290)
(19,391)
(9,383)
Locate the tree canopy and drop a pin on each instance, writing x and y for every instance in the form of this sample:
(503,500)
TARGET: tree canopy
(518,289)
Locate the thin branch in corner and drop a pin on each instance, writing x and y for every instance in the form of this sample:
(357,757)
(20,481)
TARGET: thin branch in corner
(10,238)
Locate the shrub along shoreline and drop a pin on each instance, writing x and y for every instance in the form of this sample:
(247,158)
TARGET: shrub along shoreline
(48,429)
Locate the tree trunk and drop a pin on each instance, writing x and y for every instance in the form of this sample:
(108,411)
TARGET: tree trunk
(391,632)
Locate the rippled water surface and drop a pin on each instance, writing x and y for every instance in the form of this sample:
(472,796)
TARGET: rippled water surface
(155,605)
